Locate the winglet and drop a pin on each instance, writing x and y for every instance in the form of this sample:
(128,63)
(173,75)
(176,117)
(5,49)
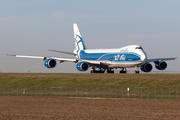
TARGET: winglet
(9,54)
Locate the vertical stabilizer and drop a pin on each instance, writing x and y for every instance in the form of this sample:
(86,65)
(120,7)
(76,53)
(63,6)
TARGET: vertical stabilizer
(79,43)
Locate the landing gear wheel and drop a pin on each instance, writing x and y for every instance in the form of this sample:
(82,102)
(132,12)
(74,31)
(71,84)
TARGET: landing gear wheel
(101,71)
(123,70)
(110,71)
(97,71)
(93,71)
(136,72)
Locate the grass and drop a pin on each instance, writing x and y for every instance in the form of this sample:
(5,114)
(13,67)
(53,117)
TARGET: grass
(96,85)
(52,79)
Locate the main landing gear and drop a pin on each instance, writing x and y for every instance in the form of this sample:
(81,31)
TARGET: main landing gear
(101,70)
(97,71)
(110,71)
(123,70)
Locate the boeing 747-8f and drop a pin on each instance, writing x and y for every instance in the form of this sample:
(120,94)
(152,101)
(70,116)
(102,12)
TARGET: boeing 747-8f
(101,60)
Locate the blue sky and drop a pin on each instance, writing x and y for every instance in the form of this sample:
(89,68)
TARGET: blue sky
(31,27)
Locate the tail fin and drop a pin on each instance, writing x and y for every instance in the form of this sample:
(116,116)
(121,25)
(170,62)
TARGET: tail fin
(79,44)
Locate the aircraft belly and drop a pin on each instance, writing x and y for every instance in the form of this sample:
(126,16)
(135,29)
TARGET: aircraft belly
(124,65)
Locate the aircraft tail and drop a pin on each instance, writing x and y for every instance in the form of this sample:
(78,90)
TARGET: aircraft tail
(79,43)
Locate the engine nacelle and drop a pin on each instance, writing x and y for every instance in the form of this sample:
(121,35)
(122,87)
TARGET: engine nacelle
(160,65)
(50,63)
(82,66)
(147,67)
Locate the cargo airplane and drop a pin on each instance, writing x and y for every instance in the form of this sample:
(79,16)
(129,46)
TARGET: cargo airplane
(101,60)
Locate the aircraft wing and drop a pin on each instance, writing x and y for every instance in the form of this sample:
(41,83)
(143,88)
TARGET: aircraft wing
(63,52)
(44,58)
(63,59)
(157,59)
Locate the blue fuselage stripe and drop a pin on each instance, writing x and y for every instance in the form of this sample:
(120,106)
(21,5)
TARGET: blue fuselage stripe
(113,57)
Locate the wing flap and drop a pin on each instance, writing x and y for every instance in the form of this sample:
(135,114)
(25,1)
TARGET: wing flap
(157,59)
(44,58)
(64,59)
(62,52)
(22,56)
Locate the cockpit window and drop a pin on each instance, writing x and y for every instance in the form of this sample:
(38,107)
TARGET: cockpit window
(138,48)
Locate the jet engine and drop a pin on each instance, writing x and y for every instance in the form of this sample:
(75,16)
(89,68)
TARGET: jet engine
(50,63)
(160,65)
(82,66)
(147,67)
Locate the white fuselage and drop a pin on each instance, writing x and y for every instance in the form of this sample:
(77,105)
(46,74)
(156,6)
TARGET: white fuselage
(128,56)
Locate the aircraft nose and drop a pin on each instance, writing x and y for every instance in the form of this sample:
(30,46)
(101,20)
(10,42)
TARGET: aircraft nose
(144,57)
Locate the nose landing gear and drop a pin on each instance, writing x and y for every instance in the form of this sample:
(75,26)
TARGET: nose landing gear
(137,70)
